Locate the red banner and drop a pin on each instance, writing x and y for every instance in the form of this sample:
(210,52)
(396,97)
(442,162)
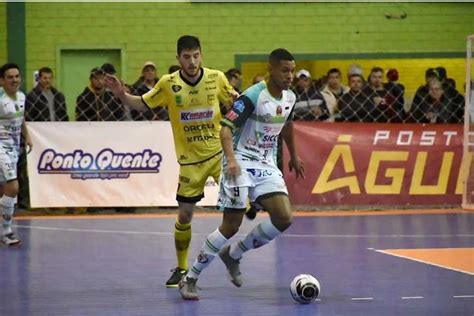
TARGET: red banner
(377,164)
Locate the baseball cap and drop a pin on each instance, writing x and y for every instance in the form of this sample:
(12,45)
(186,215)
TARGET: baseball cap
(149,64)
(303,72)
(96,71)
(108,68)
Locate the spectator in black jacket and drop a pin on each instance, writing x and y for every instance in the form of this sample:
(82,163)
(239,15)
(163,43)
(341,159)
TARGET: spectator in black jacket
(310,104)
(96,103)
(44,102)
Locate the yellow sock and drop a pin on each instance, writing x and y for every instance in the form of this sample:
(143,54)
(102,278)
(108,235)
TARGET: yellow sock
(182,238)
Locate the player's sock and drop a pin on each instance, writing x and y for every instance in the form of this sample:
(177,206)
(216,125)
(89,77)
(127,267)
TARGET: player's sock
(8,204)
(260,235)
(213,243)
(182,238)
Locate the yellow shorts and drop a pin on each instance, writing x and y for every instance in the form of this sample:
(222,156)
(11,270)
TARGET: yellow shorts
(192,179)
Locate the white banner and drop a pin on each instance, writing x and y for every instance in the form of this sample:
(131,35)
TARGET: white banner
(105,164)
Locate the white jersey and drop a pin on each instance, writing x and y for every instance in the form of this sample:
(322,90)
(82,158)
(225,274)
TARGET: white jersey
(11,119)
(257,119)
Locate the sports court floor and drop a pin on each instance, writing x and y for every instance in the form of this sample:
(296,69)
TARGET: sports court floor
(377,263)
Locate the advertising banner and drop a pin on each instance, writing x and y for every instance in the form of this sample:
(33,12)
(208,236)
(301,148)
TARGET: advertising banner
(377,164)
(104,164)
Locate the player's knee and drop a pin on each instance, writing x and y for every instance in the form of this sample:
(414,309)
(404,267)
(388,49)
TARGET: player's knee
(11,188)
(229,229)
(282,222)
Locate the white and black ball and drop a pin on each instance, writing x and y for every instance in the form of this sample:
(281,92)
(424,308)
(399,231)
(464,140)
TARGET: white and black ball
(305,288)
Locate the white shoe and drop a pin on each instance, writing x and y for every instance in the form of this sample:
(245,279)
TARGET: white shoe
(11,240)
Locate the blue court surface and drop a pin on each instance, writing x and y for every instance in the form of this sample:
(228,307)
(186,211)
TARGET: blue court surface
(117,265)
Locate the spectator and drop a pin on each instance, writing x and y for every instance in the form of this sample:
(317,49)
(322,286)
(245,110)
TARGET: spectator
(234,76)
(422,91)
(310,104)
(44,102)
(390,109)
(333,91)
(394,87)
(354,106)
(437,107)
(257,78)
(96,103)
(145,83)
(173,68)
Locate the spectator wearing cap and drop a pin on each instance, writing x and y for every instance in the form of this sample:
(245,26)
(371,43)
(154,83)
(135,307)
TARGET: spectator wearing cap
(390,109)
(395,88)
(437,106)
(96,103)
(333,91)
(310,104)
(145,83)
(354,106)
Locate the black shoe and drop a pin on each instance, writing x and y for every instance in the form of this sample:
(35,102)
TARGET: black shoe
(252,211)
(177,275)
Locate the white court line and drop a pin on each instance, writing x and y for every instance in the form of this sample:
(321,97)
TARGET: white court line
(362,298)
(463,296)
(106,231)
(412,297)
(422,261)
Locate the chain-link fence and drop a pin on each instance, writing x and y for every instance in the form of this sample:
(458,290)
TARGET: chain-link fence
(438,101)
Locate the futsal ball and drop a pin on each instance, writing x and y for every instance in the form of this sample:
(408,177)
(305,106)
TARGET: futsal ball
(305,288)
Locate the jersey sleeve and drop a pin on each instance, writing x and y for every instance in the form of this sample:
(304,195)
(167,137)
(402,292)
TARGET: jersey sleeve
(225,90)
(157,96)
(241,110)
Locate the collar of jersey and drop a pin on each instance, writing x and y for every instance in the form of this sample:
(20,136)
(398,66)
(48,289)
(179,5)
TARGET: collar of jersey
(197,81)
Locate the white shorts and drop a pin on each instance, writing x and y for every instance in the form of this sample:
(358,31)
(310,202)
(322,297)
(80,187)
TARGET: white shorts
(8,163)
(252,184)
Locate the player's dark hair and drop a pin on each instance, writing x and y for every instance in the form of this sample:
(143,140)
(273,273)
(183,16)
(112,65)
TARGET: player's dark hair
(334,71)
(7,67)
(188,42)
(278,55)
(45,70)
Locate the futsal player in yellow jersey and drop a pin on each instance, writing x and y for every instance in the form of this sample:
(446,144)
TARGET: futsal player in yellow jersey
(193,96)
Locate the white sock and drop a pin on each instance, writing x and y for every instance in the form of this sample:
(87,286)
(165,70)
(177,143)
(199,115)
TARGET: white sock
(8,207)
(213,243)
(260,235)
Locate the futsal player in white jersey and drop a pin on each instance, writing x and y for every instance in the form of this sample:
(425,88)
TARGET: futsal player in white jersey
(249,137)
(12,125)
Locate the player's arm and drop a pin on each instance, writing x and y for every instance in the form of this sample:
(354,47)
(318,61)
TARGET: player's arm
(117,88)
(27,137)
(226,94)
(295,162)
(241,110)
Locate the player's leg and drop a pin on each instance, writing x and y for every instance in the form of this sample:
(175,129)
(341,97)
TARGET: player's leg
(192,179)
(232,202)
(10,191)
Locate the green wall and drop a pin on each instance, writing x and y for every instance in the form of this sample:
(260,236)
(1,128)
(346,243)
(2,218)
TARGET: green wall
(3,33)
(148,31)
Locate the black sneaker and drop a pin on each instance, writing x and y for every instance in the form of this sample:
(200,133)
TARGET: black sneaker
(11,240)
(177,275)
(251,212)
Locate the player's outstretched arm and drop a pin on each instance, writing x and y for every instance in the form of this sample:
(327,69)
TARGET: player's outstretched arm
(27,138)
(295,162)
(117,88)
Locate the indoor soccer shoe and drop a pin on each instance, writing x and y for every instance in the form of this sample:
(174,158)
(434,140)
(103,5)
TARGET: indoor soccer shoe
(188,288)
(232,266)
(177,275)
(11,240)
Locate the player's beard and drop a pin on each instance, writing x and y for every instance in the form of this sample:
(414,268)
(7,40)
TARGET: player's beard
(195,75)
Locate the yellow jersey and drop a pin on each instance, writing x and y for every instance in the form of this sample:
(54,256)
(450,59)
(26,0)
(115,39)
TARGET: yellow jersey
(194,112)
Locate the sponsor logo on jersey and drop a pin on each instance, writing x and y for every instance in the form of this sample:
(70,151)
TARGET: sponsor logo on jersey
(210,81)
(271,129)
(231,115)
(193,92)
(267,118)
(198,115)
(198,128)
(269,138)
(176,87)
(210,76)
(178,100)
(239,106)
(210,99)
(279,110)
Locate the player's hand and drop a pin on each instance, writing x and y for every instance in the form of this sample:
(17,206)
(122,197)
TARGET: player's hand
(234,95)
(114,84)
(232,170)
(298,166)
(28,144)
